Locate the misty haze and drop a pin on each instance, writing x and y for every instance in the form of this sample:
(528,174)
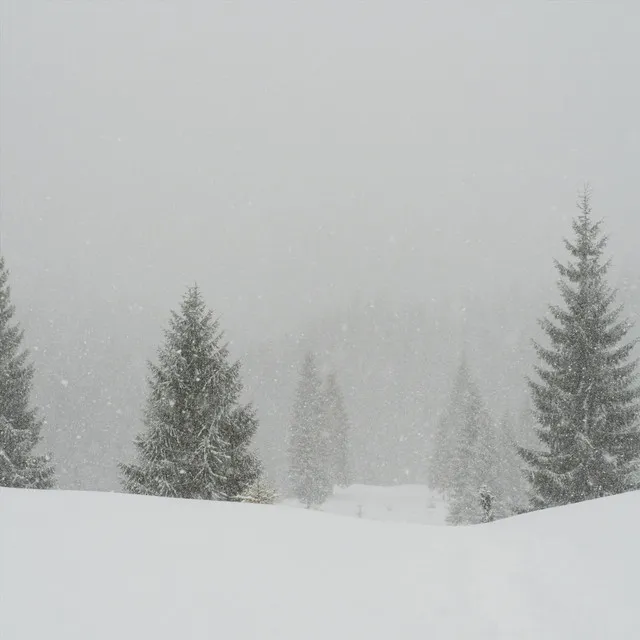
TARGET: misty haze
(357,263)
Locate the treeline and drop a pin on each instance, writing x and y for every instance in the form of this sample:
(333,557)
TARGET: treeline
(582,441)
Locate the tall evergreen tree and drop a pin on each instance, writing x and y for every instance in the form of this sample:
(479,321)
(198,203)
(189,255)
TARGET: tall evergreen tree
(19,424)
(338,427)
(309,461)
(586,401)
(197,437)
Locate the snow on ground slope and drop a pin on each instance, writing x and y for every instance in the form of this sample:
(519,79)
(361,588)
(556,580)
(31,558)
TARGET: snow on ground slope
(402,503)
(79,566)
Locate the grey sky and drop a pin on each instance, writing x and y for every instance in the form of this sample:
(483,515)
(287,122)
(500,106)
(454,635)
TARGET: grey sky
(288,156)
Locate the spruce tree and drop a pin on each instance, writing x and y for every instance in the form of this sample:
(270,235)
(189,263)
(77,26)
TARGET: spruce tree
(197,437)
(474,464)
(309,460)
(443,468)
(338,426)
(586,398)
(19,423)
(259,493)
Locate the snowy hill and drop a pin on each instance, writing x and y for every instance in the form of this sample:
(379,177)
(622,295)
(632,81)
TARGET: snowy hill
(402,503)
(75,566)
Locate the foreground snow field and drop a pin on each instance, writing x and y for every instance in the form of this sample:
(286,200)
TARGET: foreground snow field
(80,566)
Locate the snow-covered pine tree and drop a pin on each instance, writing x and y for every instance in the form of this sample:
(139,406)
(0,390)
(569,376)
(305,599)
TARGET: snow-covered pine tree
(197,437)
(474,469)
(338,426)
(442,469)
(309,462)
(19,423)
(259,493)
(586,400)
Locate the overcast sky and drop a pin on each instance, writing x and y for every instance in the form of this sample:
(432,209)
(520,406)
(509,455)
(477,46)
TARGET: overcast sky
(288,155)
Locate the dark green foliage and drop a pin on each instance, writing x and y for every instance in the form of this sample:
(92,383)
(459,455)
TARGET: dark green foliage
(586,399)
(338,425)
(197,435)
(19,424)
(309,458)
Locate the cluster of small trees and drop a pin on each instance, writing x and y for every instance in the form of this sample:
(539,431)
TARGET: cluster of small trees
(475,456)
(197,438)
(318,445)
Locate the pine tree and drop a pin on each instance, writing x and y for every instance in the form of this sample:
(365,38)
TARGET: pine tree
(586,399)
(475,463)
(197,435)
(443,469)
(465,461)
(259,493)
(19,424)
(309,470)
(338,426)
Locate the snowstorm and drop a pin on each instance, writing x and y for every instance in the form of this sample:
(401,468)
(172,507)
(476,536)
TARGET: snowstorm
(375,253)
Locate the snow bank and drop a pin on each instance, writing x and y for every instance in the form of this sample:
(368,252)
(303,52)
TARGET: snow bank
(80,566)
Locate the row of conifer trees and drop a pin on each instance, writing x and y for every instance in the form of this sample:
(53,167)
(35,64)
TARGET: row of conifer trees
(584,439)
(197,437)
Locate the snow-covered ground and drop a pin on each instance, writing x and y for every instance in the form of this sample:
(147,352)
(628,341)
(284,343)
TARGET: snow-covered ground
(86,566)
(404,503)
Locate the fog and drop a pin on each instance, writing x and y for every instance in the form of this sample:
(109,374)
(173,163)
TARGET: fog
(339,178)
